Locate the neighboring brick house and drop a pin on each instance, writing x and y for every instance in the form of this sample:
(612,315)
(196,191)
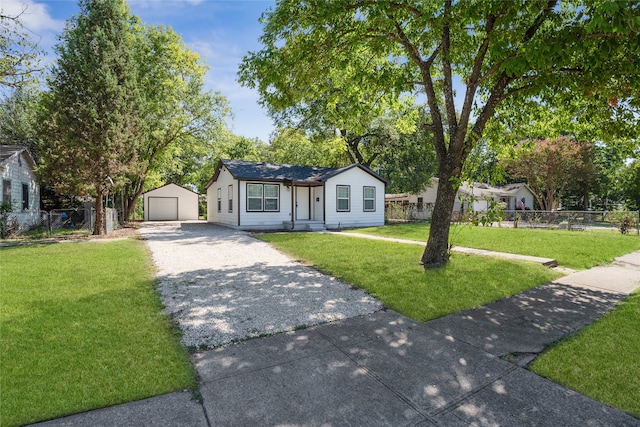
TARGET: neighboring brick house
(17,178)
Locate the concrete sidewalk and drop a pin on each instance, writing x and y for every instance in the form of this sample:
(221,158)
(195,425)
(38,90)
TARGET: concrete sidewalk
(384,369)
(549,262)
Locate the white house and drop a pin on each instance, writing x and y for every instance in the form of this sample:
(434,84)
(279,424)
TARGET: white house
(170,202)
(19,185)
(514,196)
(267,196)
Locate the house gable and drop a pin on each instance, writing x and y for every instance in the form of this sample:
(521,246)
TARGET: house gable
(18,181)
(171,202)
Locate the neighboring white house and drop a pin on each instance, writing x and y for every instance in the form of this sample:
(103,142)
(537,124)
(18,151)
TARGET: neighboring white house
(170,203)
(514,196)
(19,185)
(267,196)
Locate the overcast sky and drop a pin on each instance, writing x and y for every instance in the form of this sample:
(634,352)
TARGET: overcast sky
(221,31)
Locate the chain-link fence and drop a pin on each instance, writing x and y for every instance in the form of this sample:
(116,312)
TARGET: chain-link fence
(625,221)
(407,213)
(57,221)
(575,220)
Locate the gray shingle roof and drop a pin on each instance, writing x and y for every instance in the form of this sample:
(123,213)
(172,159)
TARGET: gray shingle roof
(262,171)
(241,169)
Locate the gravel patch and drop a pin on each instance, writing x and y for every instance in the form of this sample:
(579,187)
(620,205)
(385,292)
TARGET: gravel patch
(222,285)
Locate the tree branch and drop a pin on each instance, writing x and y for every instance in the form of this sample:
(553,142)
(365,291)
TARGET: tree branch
(446,67)
(427,81)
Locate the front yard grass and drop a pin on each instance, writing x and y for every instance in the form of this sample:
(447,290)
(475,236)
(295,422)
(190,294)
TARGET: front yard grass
(392,273)
(602,360)
(573,249)
(82,327)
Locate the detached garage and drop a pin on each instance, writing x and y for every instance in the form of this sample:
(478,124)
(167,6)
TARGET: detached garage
(170,203)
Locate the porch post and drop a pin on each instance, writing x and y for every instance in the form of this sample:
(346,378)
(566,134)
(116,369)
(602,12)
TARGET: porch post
(293,206)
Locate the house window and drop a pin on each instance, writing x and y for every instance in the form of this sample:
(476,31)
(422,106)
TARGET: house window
(6,190)
(219,199)
(25,197)
(420,204)
(271,198)
(230,195)
(254,197)
(342,194)
(263,198)
(369,199)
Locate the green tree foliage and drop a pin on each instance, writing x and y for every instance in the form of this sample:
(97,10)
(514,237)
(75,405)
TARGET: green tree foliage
(499,50)
(292,146)
(91,122)
(553,167)
(409,161)
(19,54)
(630,177)
(18,116)
(182,121)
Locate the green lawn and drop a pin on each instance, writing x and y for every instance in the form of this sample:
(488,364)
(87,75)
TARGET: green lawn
(602,360)
(574,249)
(82,327)
(392,273)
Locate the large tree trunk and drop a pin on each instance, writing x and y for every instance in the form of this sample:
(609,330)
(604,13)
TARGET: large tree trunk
(436,254)
(98,227)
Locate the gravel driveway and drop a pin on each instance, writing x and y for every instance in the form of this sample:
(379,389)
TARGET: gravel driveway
(222,285)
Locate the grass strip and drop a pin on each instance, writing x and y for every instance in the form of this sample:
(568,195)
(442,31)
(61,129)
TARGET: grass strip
(82,327)
(601,361)
(392,273)
(574,249)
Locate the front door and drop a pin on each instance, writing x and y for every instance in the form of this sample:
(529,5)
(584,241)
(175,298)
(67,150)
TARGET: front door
(302,203)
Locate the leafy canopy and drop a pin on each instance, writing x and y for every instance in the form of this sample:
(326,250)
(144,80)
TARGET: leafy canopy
(489,51)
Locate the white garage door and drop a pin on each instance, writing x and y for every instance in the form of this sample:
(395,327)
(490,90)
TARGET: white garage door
(163,208)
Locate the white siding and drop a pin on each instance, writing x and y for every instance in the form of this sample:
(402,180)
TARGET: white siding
(528,198)
(17,169)
(187,202)
(356,179)
(265,220)
(224,217)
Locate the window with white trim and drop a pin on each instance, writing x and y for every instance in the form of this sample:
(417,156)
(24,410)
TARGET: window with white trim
(369,194)
(263,198)
(219,199)
(230,191)
(343,198)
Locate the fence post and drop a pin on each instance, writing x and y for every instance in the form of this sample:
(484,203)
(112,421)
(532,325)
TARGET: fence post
(49,228)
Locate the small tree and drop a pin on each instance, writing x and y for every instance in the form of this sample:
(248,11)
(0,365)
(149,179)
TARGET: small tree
(552,166)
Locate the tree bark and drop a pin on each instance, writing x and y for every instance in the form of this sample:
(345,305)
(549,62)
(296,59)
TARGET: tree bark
(98,227)
(436,254)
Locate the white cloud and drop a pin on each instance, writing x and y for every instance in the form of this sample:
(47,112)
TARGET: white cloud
(34,16)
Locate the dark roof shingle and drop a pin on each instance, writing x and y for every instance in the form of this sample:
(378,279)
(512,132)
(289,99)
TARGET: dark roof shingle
(263,171)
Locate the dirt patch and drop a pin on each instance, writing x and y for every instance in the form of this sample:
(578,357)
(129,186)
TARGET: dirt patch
(128,230)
